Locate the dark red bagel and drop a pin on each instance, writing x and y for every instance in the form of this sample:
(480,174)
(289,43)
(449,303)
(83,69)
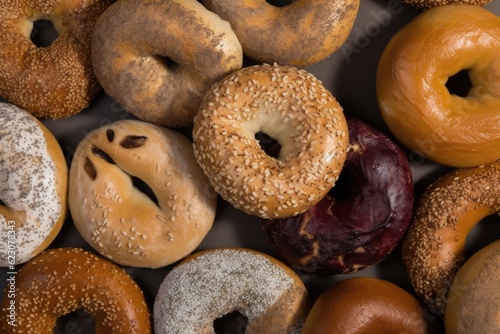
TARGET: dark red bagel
(346,233)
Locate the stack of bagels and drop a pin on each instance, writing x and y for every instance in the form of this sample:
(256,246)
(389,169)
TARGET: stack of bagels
(235,183)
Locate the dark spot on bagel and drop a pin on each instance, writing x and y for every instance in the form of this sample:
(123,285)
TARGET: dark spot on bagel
(89,168)
(101,154)
(110,134)
(133,141)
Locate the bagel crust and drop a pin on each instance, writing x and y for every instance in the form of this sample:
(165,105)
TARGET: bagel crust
(55,81)
(433,249)
(291,106)
(61,281)
(33,186)
(121,222)
(411,85)
(211,283)
(133,42)
(361,305)
(359,225)
(424,4)
(474,299)
(300,34)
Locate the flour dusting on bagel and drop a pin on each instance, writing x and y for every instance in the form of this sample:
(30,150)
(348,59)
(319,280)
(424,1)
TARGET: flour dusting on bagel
(33,184)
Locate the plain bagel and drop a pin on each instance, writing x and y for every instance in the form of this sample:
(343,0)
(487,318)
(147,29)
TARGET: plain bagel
(411,86)
(361,305)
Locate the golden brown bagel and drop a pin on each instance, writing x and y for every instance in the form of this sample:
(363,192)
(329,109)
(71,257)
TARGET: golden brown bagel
(121,222)
(362,305)
(60,281)
(291,106)
(33,186)
(414,100)
(299,34)
(433,249)
(54,81)
(133,42)
(215,282)
(474,299)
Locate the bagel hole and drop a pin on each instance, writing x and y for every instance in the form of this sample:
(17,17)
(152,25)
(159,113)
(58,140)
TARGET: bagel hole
(482,234)
(43,33)
(144,188)
(231,323)
(279,3)
(459,84)
(75,322)
(268,144)
(167,62)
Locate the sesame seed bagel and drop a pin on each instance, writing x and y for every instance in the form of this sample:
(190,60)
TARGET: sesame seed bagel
(33,186)
(120,221)
(215,282)
(158,58)
(433,249)
(474,298)
(301,33)
(291,106)
(418,107)
(55,81)
(60,281)
(362,305)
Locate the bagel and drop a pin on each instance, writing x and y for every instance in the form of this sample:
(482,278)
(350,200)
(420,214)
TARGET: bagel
(361,305)
(33,186)
(158,58)
(300,34)
(425,4)
(411,85)
(433,249)
(56,81)
(291,106)
(473,300)
(121,222)
(359,224)
(211,283)
(60,281)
